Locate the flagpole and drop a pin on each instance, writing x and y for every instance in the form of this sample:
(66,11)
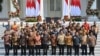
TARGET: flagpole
(42,9)
(69,9)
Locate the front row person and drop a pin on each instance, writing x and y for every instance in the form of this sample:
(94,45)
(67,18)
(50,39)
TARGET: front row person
(53,43)
(45,42)
(15,43)
(7,43)
(76,43)
(69,43)
(62,39)
(31,43)
(84,42)
(61,42)
(23,42)
(92,43)
(37,43)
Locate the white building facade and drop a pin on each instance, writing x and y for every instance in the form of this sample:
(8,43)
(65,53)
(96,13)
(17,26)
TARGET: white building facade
(50,8)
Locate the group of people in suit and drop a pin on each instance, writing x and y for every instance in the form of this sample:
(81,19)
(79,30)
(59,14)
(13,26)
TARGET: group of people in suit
(39,36)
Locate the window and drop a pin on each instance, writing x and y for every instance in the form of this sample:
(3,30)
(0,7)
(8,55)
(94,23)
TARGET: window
(52,5)
(58,5)
(55,5)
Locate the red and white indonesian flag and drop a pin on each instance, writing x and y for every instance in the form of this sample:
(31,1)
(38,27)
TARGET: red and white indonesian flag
(32,8)
(73,11)
(75,8)
(37,7)
(28,8)
(78,7)
(65,8)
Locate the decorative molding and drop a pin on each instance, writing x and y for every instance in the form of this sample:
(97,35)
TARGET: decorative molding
(90,11)
(17,7)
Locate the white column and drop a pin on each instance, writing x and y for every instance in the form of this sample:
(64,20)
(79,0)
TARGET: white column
(62,10)
(94,5)
(42,10)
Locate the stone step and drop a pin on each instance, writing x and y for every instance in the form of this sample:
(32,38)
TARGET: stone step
(52,55)
(97,46)
(49,52)
(96,49)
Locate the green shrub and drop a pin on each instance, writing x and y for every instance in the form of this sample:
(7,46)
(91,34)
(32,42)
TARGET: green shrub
(31,19)
(77,19)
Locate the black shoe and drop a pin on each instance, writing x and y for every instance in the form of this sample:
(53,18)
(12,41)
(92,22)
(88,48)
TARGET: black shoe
(54,53)
(22,53)
(68,53)
(93,54)
(62,53)
(7,54)
(82,53)
(59,53)
(85,53)
(45,54)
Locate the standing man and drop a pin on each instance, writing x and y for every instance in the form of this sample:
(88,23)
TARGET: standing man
(95,29)
(69,42)
(76,43)
(84,41)
(23,42)
(92,43)
(21,25)
(31,43)
(7,26)
(45,42)
(15,43)
(6,38)
(14,27)
(86,26)
(53,43)
(38,43)
(61,42)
